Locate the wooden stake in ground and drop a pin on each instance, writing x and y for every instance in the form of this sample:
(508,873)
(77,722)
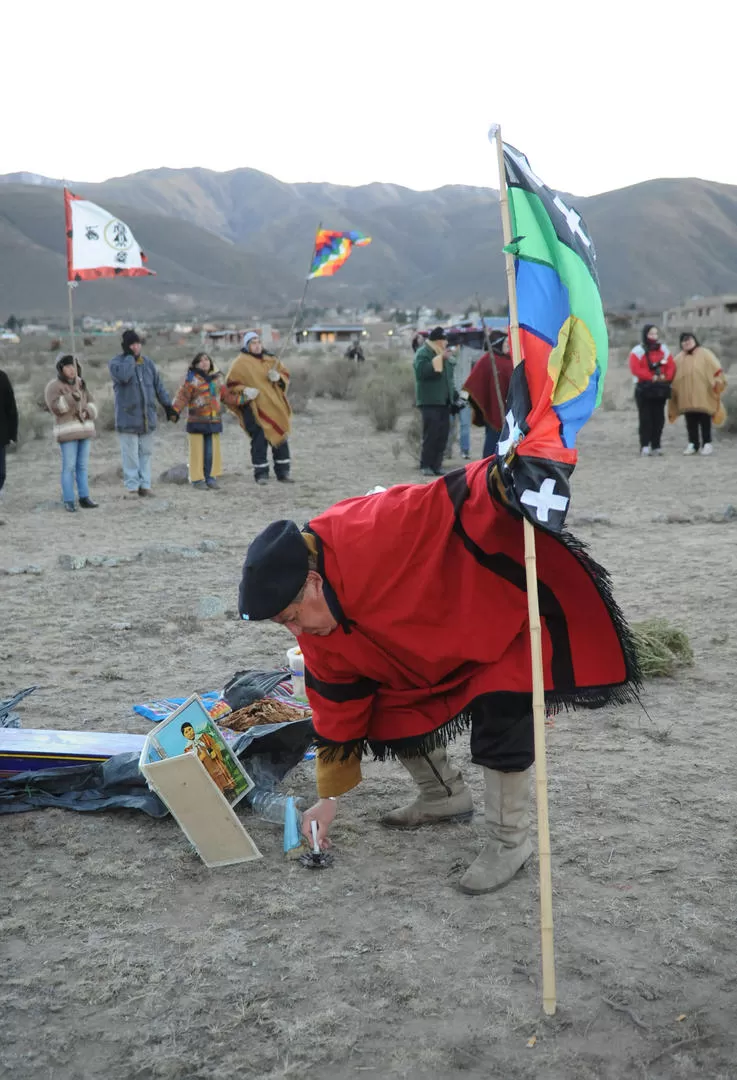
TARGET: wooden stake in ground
(538,682)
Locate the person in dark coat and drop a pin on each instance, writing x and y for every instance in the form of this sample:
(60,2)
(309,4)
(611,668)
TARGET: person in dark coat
(8,421)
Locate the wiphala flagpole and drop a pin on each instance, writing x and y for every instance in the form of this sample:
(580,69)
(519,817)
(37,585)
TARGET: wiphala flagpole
(533,605)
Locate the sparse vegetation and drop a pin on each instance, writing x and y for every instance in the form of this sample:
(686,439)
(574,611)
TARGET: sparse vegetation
(661,647)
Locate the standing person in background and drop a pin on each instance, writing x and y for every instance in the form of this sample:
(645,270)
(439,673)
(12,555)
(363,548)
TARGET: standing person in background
(355,352)
(653,368)
(137,386)
(488,403)
(199,394)
(460,420)
(256,392)
(697,387)
(71,405)
(435,392)
(8,421)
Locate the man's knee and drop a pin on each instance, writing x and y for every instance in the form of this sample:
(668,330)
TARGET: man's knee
(502,733)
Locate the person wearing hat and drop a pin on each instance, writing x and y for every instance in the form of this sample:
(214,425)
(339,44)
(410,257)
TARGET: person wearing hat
(256,393)
(70,403)
(435,393)
(696,392)
(410,608)
(137,386)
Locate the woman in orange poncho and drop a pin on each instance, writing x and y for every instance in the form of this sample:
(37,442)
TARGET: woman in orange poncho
(256,392)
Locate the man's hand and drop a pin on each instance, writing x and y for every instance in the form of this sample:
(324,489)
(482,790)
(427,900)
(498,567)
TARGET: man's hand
(323,812)
(171,414)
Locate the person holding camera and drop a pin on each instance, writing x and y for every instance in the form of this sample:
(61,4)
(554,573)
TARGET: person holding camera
(654,369)
(435,396)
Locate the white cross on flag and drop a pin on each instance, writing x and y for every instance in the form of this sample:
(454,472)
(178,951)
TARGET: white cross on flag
(545,500)
(99,244)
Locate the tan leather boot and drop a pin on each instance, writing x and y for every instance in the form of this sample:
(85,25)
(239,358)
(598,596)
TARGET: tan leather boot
(508,820)
(443,794)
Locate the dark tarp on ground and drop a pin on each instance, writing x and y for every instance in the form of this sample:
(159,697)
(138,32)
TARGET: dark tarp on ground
(248,686)
(268,753)
(8,718)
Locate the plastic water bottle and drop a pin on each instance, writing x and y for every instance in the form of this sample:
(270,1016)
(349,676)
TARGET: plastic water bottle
(271,805)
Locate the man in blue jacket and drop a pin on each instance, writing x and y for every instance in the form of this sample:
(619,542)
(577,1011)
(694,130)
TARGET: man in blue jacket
(137,386)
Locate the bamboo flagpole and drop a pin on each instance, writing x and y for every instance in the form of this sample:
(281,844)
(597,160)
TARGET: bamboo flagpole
(301,303)
(533,606)
(71,285)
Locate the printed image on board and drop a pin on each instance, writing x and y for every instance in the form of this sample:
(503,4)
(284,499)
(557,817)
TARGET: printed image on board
(190,730)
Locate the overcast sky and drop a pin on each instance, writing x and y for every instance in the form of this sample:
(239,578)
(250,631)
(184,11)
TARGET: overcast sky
(598,95)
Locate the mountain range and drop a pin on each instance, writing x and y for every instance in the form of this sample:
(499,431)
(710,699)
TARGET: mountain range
(238,244)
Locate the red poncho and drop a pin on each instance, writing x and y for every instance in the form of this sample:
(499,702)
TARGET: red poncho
(481,385)
(428,583)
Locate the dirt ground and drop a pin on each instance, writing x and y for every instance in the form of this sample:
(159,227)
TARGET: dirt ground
(124,957)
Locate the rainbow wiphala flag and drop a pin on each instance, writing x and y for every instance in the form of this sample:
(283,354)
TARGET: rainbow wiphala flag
(332,249)
(563,339)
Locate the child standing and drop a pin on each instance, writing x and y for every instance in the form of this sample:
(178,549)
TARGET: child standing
(200,395)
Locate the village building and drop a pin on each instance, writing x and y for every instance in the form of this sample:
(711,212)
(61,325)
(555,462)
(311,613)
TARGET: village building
(329,334)
(719,312)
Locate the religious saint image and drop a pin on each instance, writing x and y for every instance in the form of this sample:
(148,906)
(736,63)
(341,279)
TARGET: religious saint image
(190,730)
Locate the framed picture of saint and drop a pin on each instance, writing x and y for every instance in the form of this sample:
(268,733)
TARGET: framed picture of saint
(190,730)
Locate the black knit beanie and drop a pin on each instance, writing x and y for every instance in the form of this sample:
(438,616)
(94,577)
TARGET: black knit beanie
(130,337)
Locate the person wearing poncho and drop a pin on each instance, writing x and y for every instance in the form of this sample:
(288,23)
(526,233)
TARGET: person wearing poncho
(696,392)
(256,392)
(410,608)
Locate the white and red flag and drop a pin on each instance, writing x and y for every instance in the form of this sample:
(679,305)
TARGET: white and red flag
(99,244)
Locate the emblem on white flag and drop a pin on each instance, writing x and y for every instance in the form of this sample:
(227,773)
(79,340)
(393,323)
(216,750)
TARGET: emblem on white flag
(99,244)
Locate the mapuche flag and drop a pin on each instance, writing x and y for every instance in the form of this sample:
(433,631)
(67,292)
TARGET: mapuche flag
(99,244)
(563,340)
(332,250)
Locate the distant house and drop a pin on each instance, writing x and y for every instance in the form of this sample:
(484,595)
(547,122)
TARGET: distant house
(707,311)
(224,337)
(328,334)
(230,336)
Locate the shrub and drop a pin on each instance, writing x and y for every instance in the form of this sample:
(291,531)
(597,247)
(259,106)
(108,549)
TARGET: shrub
(33,423)
(379,400)
(337,379)
(105,403)
(413,434)
(729,400)
(301,387)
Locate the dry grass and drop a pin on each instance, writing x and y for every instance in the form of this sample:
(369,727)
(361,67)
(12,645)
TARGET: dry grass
(661,647)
